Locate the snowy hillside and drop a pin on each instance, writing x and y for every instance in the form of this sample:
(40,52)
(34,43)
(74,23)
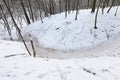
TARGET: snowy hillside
(59,40)
(62,33)
(89,54)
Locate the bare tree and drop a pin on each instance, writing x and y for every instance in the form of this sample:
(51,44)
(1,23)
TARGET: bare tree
(6,22)
(66,7)
(25,13)
(93,6)
(31,11)
(77,9)
(111,6)
(116,10)
(16,26)
(95,24)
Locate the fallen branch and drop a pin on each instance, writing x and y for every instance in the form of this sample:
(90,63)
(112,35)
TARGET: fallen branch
(12,55)
(89,71)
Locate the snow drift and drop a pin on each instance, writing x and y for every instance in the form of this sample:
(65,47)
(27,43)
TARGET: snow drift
(63,33)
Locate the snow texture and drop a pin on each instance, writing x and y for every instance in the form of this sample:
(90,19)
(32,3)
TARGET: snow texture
(62,33)
(15,64)
(96,63)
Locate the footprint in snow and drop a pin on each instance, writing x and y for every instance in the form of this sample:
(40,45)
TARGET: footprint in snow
(42,75)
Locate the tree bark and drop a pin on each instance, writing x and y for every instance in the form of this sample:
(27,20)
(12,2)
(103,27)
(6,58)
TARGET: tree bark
(25,13)
(93,6)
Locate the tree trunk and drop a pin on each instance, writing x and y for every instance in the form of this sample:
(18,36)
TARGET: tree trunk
(16,26)
(111,6)
(93,6)
(77,9)
(25,13)
(31,11)
(95,25)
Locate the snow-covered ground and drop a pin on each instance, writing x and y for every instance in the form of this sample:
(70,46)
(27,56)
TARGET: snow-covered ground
(100,61)
(15,64)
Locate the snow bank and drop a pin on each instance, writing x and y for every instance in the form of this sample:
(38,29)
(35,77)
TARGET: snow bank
(62,33)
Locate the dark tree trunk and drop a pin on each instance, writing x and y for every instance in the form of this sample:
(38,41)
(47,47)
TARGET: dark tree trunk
(25,13)
(93,6)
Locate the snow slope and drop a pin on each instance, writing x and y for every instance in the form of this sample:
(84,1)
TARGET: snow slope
(62,33)
(105,49)
(15,64)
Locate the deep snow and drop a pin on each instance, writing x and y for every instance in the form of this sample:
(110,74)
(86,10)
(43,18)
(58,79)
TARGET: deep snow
(62,33)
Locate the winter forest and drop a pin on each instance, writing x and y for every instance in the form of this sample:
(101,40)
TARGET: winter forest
(59,39)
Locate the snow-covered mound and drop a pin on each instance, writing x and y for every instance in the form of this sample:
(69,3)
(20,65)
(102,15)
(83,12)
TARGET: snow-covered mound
(63,33)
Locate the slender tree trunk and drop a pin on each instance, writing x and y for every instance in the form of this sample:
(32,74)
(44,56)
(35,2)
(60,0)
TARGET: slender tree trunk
(103,6)
(77,9)
(88,4)
(6,23)
(66,8)
(25,13)
(32,45)
(116,10)
(107,1)
(111,6)
(60,8)
(31,11)
(44,7)
(93,6)
(95,24)
(16,26)
(40,10)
